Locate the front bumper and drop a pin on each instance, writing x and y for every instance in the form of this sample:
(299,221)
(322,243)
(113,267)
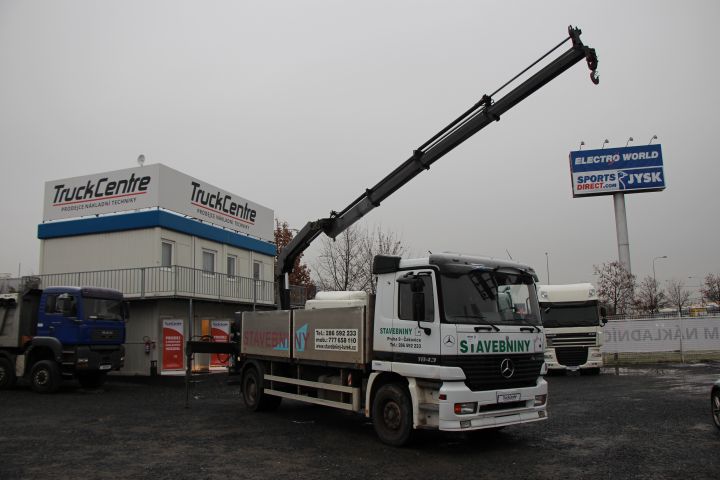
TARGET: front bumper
(490,411)
(99,358)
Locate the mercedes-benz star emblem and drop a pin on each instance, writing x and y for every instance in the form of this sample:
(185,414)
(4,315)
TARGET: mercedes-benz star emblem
(507,368)
(449,340)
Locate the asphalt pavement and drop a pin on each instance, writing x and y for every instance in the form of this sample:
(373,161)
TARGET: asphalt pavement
(627,423)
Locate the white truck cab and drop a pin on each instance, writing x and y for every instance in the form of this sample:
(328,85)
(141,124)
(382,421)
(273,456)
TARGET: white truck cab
(573,327)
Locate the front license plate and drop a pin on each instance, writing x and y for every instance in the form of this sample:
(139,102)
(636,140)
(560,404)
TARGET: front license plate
(508,397)
(105,367)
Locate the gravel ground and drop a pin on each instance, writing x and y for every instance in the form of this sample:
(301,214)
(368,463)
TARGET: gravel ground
(649,423)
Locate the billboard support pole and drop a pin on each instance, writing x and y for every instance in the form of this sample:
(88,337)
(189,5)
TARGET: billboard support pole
(621,228)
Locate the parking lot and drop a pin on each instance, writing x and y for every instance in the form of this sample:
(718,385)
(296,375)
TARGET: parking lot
(640,422)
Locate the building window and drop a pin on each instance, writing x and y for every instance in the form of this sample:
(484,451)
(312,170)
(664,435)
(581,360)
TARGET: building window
(166,256)
(257,270)
(208,261)
(231,262)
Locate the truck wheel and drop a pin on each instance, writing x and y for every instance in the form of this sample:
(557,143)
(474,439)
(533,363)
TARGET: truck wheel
(253,393)
(45,377)
(92,380)
(715,406)
(7,374)
(392,415)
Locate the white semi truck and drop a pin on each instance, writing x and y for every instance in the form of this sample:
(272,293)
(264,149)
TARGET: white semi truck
(573,321)
(451,342)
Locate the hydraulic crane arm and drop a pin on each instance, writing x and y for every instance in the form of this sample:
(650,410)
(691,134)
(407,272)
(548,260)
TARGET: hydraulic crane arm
(484,112)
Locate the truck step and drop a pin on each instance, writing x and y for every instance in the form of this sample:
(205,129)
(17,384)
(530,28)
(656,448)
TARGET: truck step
(432,407)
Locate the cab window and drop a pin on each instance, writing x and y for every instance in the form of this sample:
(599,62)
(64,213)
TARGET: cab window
(405,311)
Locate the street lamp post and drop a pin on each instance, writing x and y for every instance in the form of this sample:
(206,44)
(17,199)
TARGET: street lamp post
(653,263)
(547,267)
(655,287)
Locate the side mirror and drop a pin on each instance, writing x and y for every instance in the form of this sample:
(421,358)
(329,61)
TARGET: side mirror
(126,311)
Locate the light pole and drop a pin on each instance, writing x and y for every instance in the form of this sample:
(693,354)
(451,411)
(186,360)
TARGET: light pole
(655,286)
(656,258)
(547,267)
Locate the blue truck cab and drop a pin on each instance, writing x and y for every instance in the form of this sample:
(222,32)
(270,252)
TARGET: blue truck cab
(61,333)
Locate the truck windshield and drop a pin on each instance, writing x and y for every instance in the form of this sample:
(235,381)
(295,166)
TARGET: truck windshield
(489,297)
(102,308)
(576,314)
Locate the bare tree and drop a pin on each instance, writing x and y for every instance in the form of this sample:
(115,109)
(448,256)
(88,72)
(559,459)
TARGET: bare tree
(648,297)
(340,265)
(678,295)
(711,288)
(346,263)
(380,242)
(616,286)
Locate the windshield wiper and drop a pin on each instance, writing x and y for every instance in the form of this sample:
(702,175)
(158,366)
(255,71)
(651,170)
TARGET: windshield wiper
(525,322)
(478,316)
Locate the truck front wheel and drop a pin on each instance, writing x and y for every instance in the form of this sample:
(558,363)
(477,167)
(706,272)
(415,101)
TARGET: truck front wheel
(45,376)
(392,415)
(7,374)
(254,395)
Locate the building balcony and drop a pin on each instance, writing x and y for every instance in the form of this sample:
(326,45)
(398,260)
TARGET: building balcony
(170,282)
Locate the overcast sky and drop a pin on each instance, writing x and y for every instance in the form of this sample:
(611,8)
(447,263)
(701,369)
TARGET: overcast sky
(300,106)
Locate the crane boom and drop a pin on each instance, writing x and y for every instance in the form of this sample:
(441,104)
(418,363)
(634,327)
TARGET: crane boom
(484,112)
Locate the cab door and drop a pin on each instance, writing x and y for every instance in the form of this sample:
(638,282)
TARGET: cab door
(416,340)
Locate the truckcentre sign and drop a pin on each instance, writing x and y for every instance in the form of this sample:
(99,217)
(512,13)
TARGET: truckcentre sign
(155,186)
(617,170)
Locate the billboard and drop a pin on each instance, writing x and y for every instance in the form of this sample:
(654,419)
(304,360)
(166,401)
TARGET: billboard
(617,170)
(155,186)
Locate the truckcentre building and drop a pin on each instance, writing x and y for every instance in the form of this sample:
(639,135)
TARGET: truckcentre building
(186,254)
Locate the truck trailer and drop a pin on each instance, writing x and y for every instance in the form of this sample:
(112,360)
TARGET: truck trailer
(573,321)
(47,335)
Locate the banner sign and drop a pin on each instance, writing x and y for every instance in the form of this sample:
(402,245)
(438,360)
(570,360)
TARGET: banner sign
(220,331)
(173,339)
(155,186)
(662,335)
(617,170)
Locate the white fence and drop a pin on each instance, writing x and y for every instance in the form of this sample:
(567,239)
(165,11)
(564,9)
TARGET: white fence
(662,339)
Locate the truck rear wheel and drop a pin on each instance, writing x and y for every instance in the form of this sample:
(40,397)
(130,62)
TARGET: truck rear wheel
(92,380)
(392,415)
(715,406)
(254,394)
(45,377)
(7,374)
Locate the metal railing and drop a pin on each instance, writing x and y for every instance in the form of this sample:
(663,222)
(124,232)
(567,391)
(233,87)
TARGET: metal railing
(175,281)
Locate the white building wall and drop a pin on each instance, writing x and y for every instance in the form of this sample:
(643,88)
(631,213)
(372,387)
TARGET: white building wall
(142,248)
(103,251)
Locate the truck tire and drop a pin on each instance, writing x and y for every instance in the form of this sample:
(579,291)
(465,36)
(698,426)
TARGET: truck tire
(254,395)
(392,415)
(7,374)
(92,380)
(45,377)
(715,406)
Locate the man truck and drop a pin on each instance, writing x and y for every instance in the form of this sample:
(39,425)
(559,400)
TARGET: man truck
(450,342)
(60,333)
(573,321)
